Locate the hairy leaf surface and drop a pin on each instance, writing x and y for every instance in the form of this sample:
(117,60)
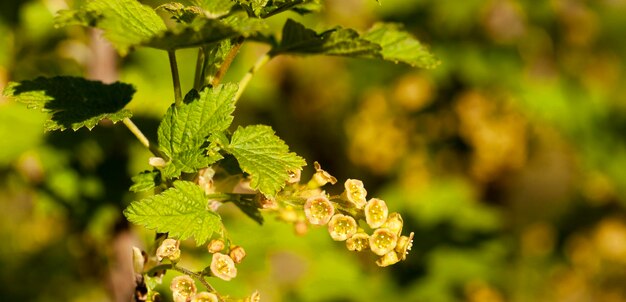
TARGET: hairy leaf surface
(264,156)
(183,131)
(145,181)
(383,41)
(73,102)
(180,211)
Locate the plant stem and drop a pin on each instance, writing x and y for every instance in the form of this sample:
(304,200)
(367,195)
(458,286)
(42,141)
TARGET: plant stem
(141,137)
(227,61)
(197,81)
(198,276)
(246,78)
(178,98)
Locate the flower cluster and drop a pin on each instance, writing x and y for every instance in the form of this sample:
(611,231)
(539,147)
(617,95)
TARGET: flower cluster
(340,214)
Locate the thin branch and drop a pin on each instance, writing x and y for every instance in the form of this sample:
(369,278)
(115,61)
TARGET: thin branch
(227,61)
(198,276)
(246,78)
(197,80)
(141,137)
(175,78)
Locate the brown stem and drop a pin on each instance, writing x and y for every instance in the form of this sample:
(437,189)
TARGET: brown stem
(227,61)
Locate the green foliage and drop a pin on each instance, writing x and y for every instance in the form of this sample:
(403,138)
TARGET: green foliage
(264,156)
(73,102)
(268,8)
(145,181)
(126,23)
(180,211)
(383,41)
(184,130)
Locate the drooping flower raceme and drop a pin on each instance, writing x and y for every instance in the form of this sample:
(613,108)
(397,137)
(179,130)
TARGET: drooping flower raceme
(358,242)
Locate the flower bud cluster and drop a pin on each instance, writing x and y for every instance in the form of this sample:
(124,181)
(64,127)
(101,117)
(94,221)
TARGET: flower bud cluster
(223,265)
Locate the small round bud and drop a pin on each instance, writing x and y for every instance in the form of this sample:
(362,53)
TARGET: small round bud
(394,223)
(321,177)
(300,227)
(157,162)
(318,210)
(358,242)
(237,253)
(341,227)
(205,297)
(138,260)
(355,192)
(383,241)
(215,246)
(255,297)
(376,212)
(169,249)
(213,204)
(223,267)
(404,245)
(267,203)
(294,176)
(183,288)
(388,259)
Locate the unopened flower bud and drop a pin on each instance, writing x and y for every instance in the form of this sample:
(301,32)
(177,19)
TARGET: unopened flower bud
(355,193)
(341,227)
(404,245)
(205,180)
(183,288)
(383,241)
(169,249)
(267,203)
(321,177)
(255,297)
(358,242)
(394,223)
(223,267)
(138,260)
(213,204)
(294,176)
(215,246)
(388,259)
(157,162)
(318,210)
(376,212)
(300,227)
(237,253)
(205,297)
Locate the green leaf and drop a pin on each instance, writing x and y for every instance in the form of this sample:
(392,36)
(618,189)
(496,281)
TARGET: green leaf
(181,13)
(342,42)
(125,23)
(215,8)
(214,55)
(264,156)
(180,211)
(145,181)
(383,41)
(399,46)
(267,8)
(183,131)
(73,102)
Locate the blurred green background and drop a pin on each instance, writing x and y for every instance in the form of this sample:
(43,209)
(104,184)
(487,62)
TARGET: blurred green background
(508,160)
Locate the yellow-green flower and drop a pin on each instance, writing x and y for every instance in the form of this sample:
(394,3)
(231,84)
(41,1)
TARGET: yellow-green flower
(169,249)
(223,267)
(215,246)
(394,223)
(383,241)
(183,288)
(341,227)
(237,253)
(376,212)
(404,245)
(358,242)
(318,210)
(355,193)
(205,297)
